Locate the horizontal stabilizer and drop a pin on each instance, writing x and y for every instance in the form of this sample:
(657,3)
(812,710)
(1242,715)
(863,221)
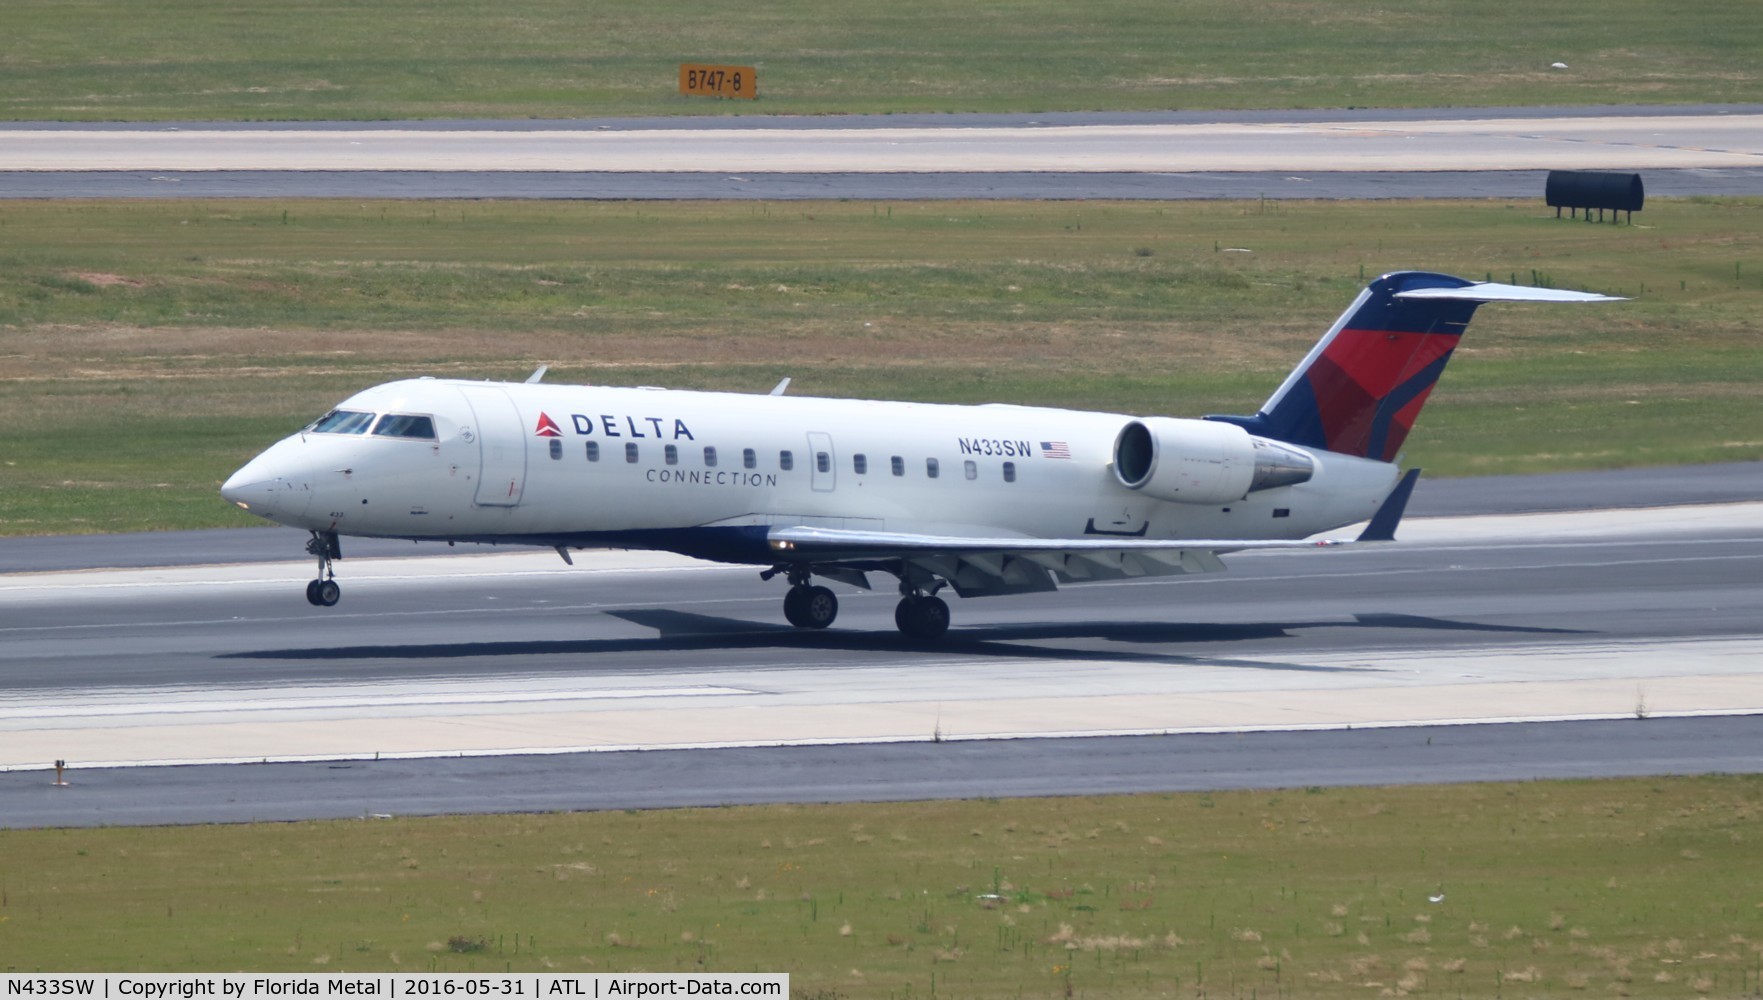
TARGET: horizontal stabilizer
(1491,291)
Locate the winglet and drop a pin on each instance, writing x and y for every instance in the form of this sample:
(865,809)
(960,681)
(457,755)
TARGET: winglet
(533,379)
(1383,523)
(781,387)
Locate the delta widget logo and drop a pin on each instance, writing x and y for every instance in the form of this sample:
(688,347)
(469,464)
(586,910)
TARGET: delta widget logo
(547,427)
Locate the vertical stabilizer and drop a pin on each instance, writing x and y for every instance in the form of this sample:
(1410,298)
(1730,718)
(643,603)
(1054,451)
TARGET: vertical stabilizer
(1361,387)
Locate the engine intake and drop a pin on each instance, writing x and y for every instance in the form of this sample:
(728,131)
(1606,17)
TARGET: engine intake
(1203,461)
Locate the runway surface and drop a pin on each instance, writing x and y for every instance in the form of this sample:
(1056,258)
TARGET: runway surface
(1344,154)
(1614,616)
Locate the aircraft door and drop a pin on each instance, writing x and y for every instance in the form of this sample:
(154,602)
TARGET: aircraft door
(823,460)
(502,444)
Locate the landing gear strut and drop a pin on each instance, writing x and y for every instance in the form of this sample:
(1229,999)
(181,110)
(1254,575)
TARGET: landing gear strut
(806,605)
(324,592)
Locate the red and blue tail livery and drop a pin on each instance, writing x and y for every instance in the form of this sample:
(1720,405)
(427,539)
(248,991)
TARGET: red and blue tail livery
(1362,386)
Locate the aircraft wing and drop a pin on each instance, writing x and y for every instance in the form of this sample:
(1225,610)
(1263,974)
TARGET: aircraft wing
(842,543)
(985,566)
(977,566)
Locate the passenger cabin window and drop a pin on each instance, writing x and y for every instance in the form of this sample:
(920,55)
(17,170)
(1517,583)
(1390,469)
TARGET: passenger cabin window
(630,451)
(1010,472)
(556,449)
(405,425)
(931,468)
(971,469)
(342,422)
(823,461)
(671,452)
(593,451)
(709,458)
(860,464)
(749,458)
(899,465)
(786,460)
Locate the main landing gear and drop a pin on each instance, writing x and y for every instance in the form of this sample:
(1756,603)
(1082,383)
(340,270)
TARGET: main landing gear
(807,606)
(324,592)
(921,616)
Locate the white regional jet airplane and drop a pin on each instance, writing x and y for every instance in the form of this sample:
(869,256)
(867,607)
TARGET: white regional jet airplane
(982,499)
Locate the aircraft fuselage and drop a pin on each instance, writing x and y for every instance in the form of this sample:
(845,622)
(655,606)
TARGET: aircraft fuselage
(590,465)
(986,500)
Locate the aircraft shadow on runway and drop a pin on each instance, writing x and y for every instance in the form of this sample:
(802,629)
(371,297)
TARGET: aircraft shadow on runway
(680,631)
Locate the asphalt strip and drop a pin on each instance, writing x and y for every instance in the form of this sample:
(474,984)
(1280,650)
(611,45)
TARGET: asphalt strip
(1561,680)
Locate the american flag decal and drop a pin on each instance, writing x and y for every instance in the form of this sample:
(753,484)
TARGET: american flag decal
(1055,449)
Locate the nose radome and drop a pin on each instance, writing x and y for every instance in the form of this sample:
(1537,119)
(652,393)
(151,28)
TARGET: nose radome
(276,484)
(240,489)
(279,499)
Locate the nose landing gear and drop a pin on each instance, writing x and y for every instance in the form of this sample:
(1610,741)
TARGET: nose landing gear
(324,591)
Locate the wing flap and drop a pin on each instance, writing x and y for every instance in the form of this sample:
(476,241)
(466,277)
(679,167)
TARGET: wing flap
(992,566)
(842,543)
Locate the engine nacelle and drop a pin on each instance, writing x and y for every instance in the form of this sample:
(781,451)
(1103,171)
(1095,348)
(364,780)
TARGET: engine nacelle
(1203,461)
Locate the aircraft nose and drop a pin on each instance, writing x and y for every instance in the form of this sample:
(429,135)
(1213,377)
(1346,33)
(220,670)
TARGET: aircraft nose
(276,484)
(255,495)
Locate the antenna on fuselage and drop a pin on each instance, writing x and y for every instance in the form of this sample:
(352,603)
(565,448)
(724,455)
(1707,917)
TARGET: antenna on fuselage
(778,390)
(533,379)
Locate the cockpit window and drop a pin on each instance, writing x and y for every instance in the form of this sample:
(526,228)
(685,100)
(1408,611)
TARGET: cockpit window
(405,425)
(342,422)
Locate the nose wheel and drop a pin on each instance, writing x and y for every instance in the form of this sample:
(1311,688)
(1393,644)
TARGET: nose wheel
(324,592)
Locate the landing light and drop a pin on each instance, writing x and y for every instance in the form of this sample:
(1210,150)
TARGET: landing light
(782,545)
(242,505)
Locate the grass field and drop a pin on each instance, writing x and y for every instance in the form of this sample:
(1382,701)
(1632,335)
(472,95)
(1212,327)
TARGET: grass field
(250,59)
(1640,888)
(148,348)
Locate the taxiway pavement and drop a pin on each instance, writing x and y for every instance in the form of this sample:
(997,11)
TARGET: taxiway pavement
(1499,152)
(1560,143)
(892,772)
(928,185)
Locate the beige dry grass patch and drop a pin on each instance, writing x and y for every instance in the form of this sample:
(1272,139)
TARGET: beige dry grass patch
(104,279)
(108,352)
